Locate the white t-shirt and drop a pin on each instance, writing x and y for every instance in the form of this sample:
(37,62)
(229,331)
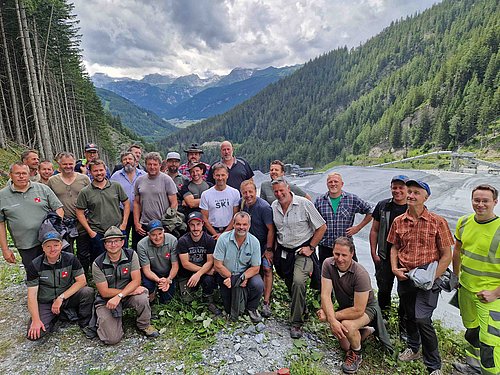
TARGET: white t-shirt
(219,205)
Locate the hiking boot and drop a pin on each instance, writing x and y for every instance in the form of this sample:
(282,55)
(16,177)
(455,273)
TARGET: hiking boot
(254,316)
(295,332)
(465,368)
(89,332)
(150,331)
(213,309)
(352,362)
(408,355)
(266,310)
(436,372)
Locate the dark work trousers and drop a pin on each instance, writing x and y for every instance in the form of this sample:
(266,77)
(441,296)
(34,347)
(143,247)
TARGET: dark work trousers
(385,281)
(152,287)
(130,230)
(327,252)
(82,250)
(418,305)
(96,246)
(27,255)
(255,288)
(82,302)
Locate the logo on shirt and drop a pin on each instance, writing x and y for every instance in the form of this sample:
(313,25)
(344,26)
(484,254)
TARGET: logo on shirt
(167,255)
(37,200)
(125,270)
(64,274)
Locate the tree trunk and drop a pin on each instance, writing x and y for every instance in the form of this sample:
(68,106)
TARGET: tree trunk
(15,109)
(41,121)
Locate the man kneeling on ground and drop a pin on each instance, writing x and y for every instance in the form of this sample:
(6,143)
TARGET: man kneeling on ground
(196,250)
(358,307)
(56,286)
(117,276)
(159,264)
(237,260)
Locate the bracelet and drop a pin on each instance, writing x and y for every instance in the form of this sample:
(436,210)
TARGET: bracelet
(270,249)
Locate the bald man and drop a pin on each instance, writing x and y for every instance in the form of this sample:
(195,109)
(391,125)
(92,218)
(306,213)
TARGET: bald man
(239,169)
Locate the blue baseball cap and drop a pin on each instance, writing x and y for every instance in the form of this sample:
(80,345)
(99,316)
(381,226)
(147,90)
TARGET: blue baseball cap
(420,184)
(154,225)
(51,236)
(400,177)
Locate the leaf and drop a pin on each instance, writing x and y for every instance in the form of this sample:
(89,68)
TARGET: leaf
(299,343)
(206,322)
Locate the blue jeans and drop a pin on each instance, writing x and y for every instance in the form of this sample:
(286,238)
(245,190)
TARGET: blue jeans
(152,287)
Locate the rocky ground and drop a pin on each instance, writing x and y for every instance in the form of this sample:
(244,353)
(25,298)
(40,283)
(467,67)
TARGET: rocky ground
(242,348)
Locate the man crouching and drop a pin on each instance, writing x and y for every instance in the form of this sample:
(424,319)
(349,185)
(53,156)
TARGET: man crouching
(117,277)
(351,285)
(56,286)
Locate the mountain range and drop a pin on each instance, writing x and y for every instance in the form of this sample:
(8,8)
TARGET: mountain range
(191,97)
(430,81)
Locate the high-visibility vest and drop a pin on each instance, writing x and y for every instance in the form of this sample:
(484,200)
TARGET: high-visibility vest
(480,253)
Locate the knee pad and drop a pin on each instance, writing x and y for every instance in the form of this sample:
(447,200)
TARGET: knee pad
(472,336)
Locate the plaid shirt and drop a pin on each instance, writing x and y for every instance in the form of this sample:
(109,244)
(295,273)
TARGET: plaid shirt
(419,240)
(337,223)
(184,170)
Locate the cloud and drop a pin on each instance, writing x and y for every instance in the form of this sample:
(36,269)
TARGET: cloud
(134,38)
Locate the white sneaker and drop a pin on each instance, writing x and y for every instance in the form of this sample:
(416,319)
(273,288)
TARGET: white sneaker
(408,355)
(436,372)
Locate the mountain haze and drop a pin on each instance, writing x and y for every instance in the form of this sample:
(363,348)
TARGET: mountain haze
(431,80)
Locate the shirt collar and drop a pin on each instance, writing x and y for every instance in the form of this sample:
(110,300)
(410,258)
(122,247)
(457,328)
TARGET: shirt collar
(327,195)
(350,269)
(106,260)
(425,215)
(108,184)
(232,237)
(13,189)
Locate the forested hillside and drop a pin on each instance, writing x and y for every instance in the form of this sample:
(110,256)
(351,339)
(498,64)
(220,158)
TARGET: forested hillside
(141,121)
(430,80)
(47,101)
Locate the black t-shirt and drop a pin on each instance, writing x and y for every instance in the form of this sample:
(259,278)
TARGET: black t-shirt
(239,172)
(388,205)
(197,251)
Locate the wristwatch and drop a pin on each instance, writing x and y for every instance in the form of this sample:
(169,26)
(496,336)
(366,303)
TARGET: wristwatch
(313,248)
(61,296)
(120,295)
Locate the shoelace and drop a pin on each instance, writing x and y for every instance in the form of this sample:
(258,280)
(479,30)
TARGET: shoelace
(351,357)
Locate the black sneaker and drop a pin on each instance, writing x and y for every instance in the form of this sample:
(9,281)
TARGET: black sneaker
(352,362)
(254,316)
(465,368)
(213,309)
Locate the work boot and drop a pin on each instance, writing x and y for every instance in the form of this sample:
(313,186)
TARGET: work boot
(409,355)
(209,300)
(254,316)
(465,368)
(266,310)
(295,332)
(352,361)
(150,331)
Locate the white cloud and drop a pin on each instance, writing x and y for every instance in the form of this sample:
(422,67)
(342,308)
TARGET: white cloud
(134,38)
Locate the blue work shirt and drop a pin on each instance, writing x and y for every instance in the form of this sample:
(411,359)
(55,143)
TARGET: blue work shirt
(237,259)
(122,178)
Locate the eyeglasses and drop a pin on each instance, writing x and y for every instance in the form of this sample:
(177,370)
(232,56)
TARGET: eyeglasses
(113,242)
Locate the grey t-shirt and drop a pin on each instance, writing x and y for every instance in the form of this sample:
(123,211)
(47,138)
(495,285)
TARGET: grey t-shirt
(159,258)
(153,193)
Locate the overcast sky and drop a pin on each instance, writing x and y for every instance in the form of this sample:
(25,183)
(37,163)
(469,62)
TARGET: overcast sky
(137,37)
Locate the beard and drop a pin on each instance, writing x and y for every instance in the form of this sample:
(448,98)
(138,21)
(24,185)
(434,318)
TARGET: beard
(128,168)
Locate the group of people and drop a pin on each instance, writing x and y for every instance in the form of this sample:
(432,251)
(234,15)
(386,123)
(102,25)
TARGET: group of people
(233,239)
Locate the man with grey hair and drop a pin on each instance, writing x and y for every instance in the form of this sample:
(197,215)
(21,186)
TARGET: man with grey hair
(299,228)
(237,261)
(127,176)
(173,161)
(154,192)
(238,168)
(23,206)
